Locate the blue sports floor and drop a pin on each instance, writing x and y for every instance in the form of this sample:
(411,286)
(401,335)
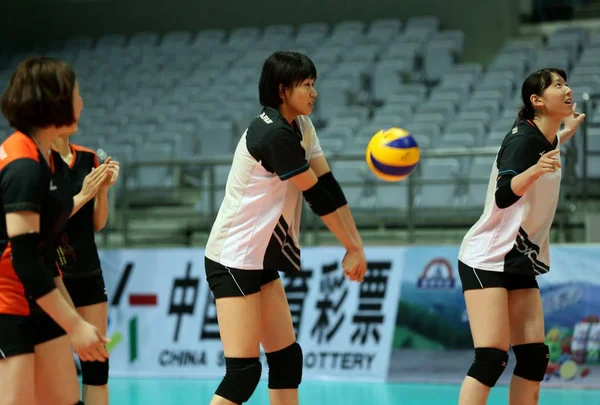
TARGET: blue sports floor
(199,392)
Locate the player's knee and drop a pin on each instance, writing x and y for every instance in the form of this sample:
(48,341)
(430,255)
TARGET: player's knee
(488,366)
(532,361)
(285,367)
(94,372)
(241,378)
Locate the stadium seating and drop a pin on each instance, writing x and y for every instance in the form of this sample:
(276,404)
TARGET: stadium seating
(188,95)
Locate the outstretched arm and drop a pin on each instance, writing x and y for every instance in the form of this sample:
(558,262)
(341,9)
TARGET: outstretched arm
(322,170)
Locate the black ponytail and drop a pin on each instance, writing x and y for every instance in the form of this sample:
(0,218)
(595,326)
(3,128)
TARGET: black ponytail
(526,112)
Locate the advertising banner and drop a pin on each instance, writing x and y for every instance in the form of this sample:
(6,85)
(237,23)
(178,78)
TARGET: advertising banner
(162,315)
(432,341)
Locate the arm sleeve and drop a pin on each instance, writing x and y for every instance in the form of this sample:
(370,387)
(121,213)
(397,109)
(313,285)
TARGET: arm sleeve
(284,153)
(21,186)
(517,155)
(334,189)
(34,275)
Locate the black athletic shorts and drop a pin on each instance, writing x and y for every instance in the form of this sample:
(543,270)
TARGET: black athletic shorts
(228,282)
(477,279)
(86,289)
(20,334)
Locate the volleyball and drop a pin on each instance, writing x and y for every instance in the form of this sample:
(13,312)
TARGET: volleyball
(392,154)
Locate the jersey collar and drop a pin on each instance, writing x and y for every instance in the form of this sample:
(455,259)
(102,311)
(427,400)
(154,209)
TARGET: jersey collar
(538,132)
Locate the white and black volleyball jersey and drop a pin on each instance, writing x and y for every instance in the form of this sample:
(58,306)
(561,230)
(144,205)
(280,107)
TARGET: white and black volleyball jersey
(516,239)
(258,223)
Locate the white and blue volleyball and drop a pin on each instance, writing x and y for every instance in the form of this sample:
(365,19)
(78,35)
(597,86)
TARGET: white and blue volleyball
(392,154)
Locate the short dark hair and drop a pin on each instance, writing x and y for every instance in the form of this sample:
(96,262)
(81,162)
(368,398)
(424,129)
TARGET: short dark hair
(536,83)
(283,68)
(39,95)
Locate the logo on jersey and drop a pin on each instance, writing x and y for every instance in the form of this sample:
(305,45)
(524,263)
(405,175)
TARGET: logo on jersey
(531,251)
(53,186)
(266,118)
(3,154)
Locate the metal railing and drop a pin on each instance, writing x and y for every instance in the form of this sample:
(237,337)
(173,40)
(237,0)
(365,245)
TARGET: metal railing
(198,176)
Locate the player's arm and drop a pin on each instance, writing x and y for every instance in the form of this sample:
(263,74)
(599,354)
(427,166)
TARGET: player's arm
(324,174)
(63,290)
(571,124)
(322,204)
(283,152)
(518,168)
(101,207)
(564,135)
(21,197)
(91,186)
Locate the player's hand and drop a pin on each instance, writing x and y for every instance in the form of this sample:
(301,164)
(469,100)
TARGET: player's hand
(94,180)
(88,342)
(355,265)
(573,122)
(548,163)
(113,166)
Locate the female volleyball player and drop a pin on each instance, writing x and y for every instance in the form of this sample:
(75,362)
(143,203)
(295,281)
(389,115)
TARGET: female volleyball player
(36,321)
(277,161)
(79,261)
(508,247)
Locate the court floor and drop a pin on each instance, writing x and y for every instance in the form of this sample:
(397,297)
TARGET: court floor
(199,392)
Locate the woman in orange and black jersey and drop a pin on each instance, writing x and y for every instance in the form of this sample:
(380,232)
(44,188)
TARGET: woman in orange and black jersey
(79,260)
(38,324)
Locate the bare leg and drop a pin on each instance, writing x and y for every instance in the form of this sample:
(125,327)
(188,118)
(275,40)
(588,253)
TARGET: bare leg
(488,318)
(526,326)
(17,380)
(239,326)
(97,315)
(277,332)
(55,375)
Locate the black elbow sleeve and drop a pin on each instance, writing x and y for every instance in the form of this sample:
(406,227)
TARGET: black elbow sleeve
(505,197)
(28,266)
(334,189)
(319,200)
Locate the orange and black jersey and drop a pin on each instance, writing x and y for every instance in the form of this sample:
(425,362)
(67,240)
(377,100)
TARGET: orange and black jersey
(77,253)
(28,183)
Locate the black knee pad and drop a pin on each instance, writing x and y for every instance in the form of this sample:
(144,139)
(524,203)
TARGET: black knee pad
(241,378)
(94,372)
(488,366)
(532,361)
(285,368)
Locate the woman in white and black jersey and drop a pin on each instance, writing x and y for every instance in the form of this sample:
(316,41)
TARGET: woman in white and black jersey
(277,162)
(508,247)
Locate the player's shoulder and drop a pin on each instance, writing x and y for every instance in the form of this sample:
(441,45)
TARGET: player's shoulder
(18,146)
(304,121)
(84,157)
(523,127)
(306,125)
(522,134)
(83,149)
(267,124)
